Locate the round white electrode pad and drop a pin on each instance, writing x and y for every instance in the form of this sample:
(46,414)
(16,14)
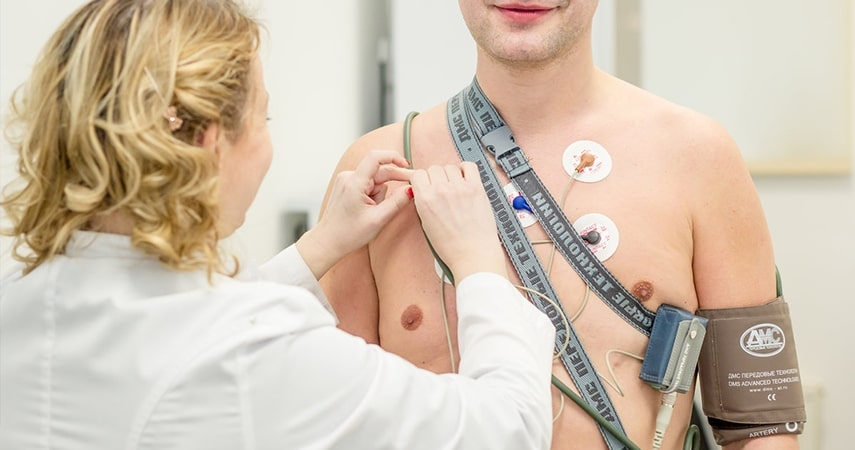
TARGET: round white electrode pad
(525,217)
(608,234)
(439,272)
(598,169)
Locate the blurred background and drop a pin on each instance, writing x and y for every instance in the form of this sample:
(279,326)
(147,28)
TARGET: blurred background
(779,74)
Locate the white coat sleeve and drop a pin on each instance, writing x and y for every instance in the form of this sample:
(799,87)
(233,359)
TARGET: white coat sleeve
(323,388)
(288,267)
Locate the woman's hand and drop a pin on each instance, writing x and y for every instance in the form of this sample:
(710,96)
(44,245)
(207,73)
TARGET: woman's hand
(458,219)
(360,203)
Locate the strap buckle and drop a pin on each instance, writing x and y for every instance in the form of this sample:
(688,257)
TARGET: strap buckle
(501,143)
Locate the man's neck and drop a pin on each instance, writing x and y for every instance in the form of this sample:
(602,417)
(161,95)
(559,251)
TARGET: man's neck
(535,98)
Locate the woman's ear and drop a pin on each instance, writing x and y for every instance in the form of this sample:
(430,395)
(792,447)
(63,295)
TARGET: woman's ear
(210,138)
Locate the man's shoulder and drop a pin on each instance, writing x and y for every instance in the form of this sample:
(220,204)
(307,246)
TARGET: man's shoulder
(687,139)
(641,104)
(391,136)
(386,137)
(679,119)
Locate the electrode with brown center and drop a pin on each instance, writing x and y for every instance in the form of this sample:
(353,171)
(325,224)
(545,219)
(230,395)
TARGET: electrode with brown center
(585,160)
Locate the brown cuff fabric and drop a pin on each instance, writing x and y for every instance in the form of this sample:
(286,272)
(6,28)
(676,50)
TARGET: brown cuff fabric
(726,433)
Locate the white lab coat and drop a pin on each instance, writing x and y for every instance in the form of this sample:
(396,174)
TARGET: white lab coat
(105,348)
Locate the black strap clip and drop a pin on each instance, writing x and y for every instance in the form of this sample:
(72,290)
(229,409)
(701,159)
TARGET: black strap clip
(500,142)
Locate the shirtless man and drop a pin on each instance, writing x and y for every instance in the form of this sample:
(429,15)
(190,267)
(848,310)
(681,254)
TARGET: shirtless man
(692,231)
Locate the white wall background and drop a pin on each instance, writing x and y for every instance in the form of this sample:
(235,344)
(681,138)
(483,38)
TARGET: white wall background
(774,72)
(322,77)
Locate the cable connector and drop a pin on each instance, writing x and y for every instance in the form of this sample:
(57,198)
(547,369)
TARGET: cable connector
(666,409)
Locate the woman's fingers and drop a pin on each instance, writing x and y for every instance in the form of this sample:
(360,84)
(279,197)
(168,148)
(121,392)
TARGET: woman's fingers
(370,165)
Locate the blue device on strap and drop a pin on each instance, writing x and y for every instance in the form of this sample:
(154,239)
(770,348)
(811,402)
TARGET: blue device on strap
(672,353)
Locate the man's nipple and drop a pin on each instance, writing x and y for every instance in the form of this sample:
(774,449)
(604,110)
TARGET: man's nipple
(411,318)
(643,290)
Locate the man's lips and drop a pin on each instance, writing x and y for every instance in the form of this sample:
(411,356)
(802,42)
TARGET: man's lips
(523,13)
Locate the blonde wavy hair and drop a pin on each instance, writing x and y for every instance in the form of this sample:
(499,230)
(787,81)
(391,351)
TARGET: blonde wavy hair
(90,130)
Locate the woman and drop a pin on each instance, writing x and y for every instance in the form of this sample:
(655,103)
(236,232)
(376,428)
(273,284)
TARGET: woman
(142,140)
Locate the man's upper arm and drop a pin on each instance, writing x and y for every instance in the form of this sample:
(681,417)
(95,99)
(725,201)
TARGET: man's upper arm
(733,261)
(350,288)
(349,284)
(777,442)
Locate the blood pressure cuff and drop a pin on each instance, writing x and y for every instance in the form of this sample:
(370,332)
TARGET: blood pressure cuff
(749,374)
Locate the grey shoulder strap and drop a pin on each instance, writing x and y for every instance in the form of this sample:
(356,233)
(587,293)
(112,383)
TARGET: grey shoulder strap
(577,363)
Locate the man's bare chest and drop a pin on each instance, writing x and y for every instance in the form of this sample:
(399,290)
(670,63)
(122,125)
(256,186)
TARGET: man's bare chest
(644,238)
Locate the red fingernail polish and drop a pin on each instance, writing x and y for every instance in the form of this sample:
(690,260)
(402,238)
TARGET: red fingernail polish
(410,192)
